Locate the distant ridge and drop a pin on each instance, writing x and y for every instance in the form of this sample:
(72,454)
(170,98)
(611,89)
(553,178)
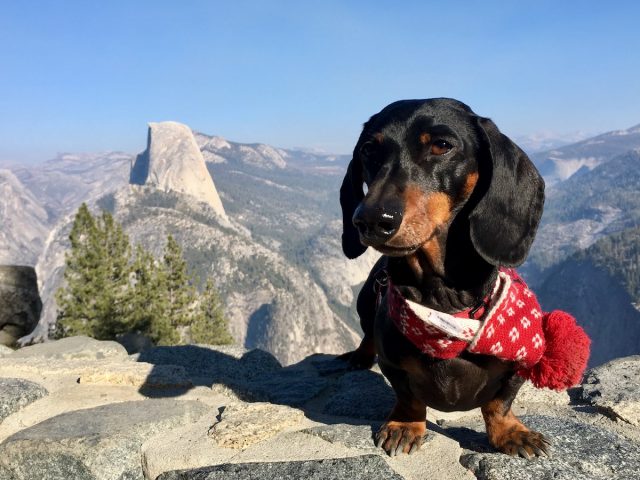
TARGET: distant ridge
(558,164)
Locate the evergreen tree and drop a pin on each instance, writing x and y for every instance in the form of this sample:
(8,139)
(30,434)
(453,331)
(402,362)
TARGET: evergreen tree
(148,301)
(116,266)
(96,275)
(108,292)
(209,324)
(180,292)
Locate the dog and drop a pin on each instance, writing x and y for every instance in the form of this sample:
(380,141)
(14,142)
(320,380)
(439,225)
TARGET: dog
(449,202)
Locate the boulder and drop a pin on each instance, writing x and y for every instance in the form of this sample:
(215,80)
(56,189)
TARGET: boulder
(613,389)
(16,393)
(20,303)
(579,452)
(365,467)
(93,444)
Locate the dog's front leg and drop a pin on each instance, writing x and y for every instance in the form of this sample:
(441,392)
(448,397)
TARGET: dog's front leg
(363,357)
(505,431)
(406,425)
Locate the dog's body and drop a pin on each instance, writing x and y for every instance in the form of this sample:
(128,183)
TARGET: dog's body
(450,199)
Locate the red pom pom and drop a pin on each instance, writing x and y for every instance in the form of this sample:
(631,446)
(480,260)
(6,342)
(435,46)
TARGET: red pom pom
(566,354)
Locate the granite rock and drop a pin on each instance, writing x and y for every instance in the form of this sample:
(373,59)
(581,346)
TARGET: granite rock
(614,389)
(206,365)
(16,393)
(352,436)
(240,426)
(349,400)
(74,348)
(20,300)
(96,443)
(579,452)
(173,162)
(365,467)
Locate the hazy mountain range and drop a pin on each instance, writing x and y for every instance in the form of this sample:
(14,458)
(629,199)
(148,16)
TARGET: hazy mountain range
(271,240)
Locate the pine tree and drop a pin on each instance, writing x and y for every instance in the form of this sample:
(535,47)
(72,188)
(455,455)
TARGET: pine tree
(180,292)
(76,301)
(96,275)
(116,266)
(148,301)
(108,292)
(209,325)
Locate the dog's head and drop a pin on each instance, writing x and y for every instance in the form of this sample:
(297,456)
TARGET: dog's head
(422,162)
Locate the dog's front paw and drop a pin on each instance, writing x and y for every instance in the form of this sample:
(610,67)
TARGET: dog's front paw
(526,444)
(396,437)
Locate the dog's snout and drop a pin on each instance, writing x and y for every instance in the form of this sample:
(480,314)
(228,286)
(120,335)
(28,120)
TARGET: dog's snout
(377,224)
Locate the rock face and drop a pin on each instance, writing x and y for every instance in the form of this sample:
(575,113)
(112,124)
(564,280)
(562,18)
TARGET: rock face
(16,394)
(173,162)
(600,304)
(613,389)
(242,415)
(20,303)
(581,452)
(25,222)
(101,442)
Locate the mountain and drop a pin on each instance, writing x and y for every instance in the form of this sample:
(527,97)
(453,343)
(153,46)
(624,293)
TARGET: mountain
(588,206)
(585,256)
(600,286)
(560,163)
(273,248)
(63,183)
(268,245)
(173,162)
(25,223)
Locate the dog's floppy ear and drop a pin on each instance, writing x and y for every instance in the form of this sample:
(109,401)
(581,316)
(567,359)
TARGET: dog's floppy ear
(504,221)
(351,194)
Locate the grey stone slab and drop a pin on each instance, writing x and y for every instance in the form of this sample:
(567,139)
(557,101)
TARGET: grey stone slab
(101,443)
(366,467)
(253,375)
(290,386)
(579,452)
(74,348)
(16,393)
(207,364)
(352,436)
(361,394)
(614,388)
(4,351)
(327,364)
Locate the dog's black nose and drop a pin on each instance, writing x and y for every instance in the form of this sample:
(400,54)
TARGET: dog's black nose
(377,224)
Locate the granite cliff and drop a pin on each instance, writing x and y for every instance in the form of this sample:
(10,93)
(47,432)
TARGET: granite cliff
(173,162)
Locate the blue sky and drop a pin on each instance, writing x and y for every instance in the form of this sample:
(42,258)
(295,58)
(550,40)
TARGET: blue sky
(88,75)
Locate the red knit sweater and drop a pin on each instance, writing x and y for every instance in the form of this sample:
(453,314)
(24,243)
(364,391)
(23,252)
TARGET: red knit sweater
(550,349)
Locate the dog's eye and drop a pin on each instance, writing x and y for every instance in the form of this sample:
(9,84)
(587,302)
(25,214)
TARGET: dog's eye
(440,147)
(367,149)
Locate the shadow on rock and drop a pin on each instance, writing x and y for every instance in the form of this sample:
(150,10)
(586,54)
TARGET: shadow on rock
(320,385)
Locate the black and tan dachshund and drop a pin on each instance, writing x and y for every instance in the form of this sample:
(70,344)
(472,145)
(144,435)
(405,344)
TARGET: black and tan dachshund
(448,200)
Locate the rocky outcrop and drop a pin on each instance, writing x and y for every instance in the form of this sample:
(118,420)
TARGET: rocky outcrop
(16,394)
(241,414)
(20,303)
(613,389)
(599,302)
(173,162)
(25,222)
